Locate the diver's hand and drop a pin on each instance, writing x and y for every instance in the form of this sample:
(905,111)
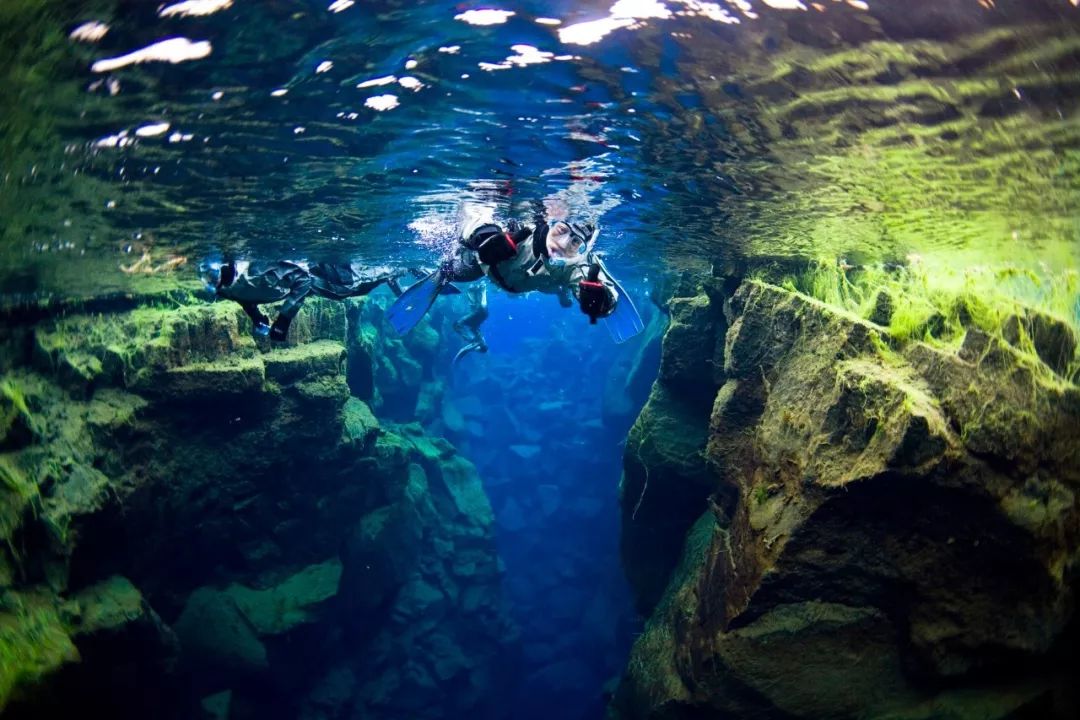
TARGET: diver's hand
(593,296)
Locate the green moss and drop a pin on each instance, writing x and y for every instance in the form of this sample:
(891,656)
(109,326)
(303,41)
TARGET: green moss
(761,494)
(911,321)
(938,305)
(18,495)
(14,392)
(33,642)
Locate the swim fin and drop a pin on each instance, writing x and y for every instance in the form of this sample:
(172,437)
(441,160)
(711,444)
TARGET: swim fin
(414,303)
(471,347)
(447,289)
(625,322)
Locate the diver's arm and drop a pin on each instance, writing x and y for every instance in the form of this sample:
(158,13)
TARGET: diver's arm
(494,245)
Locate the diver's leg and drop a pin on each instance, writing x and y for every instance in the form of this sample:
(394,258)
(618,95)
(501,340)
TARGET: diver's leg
(279,331)
(259,322)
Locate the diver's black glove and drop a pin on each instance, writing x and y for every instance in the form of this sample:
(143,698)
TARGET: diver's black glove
(593,296)
(279,331)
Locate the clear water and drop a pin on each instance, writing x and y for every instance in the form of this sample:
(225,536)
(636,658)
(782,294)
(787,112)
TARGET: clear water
(698,135)
(871,130)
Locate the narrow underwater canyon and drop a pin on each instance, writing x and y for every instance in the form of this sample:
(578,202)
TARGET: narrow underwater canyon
(819,519)
(200,525)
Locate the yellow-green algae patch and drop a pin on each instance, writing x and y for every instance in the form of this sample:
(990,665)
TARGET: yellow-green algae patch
(937,304)
(33,641)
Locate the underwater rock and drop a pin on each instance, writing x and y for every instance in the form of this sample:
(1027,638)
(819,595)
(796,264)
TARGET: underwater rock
(18,428)
(360,427)
(34,645)
(125,650)
(298,600)
(1052,339)
(690,359)
(216,706)
(284,533)
(550,498)
(630,378)
(664,483)
(525,452)
(882,312)
(511,518)
(881,528)
(452,418)
(289,365)
(379,556)
(217,637)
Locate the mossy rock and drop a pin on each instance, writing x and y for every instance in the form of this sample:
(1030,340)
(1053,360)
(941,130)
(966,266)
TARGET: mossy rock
(689,346)
(34,643)
(108,605)
(18,426)
(322,357)
(136,348)
(1052,339)
(319,319)
(380,554)
(458,477)
(82,492)
(664,487)
(327,394)
(882,312)
(232,376)
(298,600)
(360,428)
(217,637)
(18,496)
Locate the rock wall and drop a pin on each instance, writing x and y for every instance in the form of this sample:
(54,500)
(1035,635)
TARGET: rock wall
(195,525)
(859,528)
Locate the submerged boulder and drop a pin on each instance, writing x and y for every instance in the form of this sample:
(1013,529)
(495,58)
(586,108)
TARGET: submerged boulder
(882,530)
(217,637)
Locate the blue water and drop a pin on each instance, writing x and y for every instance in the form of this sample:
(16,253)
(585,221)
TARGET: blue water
(557,532)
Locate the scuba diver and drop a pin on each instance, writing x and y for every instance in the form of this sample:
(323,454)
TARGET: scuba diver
(252,284)
(469,326)
(555,258)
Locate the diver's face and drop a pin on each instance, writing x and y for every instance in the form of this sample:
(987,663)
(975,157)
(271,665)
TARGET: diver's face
(562,242)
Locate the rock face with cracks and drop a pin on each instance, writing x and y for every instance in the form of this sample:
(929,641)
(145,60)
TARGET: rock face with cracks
(868,529)
(198,525)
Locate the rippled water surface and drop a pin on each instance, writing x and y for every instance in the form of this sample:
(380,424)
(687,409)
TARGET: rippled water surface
(141,137)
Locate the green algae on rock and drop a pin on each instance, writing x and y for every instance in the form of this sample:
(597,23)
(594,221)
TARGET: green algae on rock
(161,432)
(882,518)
